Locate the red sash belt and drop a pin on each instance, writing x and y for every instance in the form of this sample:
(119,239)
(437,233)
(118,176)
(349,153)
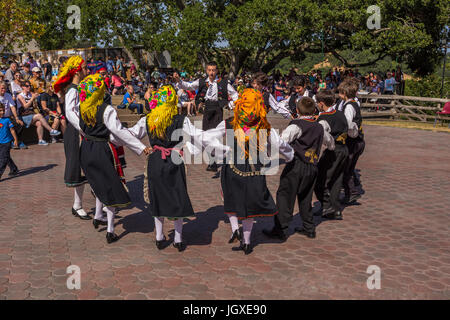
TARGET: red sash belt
(166,151)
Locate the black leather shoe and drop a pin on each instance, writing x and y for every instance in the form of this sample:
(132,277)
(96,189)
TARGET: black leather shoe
(179,245)
(338,215)
(275,234)
(212,167)
(160,243)
(75,213)
(13,173)
(111,237)
(327,211)
(354,197)
(302,231)
(97,223)
(244,247)
(236,236)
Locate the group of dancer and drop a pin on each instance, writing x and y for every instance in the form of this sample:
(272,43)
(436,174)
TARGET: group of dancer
(320,146)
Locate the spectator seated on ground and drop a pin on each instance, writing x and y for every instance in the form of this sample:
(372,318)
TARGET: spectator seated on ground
(185,102)
(28,115)
(129,101)
(51,108)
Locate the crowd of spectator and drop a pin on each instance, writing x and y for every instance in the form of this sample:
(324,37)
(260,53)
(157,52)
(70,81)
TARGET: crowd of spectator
(26,91)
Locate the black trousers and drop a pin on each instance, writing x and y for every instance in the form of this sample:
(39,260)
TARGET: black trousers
(297,181)
(355,149)
(331,173)
(212,116)
(5,158)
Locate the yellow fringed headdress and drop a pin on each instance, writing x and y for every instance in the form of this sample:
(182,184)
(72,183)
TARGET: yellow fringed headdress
(92,92)
(163,107)
(249,117)
(67,72)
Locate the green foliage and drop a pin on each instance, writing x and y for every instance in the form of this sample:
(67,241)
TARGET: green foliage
(257,34)
(429,86)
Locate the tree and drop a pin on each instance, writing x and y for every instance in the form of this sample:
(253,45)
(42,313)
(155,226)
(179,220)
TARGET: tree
(18,25)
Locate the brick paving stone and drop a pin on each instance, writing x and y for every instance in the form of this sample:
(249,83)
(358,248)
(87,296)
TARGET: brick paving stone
(400,224)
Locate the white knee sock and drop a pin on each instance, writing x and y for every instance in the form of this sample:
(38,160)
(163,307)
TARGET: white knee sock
(247,226)
(178,224)
(99,210)
(78,197)
(110,213)
(159,222)
(234,223)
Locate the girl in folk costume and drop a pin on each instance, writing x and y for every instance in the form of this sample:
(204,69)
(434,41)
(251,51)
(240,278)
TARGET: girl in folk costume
(70,75)
(165,177)
(243,178)
(98,156)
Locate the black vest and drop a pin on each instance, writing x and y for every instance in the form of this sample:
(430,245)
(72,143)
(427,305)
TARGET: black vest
(222,92)
(358,118)
(293,102)
(167,142)
(307,147)
(99,132)
(338,124)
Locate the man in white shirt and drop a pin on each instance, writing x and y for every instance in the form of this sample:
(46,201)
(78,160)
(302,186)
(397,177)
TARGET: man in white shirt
(213,92)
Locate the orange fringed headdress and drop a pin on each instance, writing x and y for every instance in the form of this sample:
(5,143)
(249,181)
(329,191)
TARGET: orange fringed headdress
(249,118)
(67,72)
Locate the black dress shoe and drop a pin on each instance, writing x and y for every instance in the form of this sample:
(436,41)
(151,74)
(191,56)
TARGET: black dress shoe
(179,245)
(13,173)
(327,211)
(338,215)
(302,231)
(354,197)
(160,243)
(212,167)
(75,213)
(111,237)
(244,247)
(275,234)
(236,236)
(97,223)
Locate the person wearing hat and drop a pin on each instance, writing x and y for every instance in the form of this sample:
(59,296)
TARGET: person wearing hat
(36,81)
(98,121)
(165,174)
(69,76)
(243,176)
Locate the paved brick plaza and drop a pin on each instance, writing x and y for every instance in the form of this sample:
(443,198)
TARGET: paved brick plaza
(401,225)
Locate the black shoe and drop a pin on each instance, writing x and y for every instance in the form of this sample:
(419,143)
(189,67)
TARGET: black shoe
(338,215)
(75,213)
(97,223)
(275,234)
(179,245)
(302,231)
(160,243)
(354,197)
(244,247)
(111,237)
(236,236)
(13,173)
(327,211)
(212,168)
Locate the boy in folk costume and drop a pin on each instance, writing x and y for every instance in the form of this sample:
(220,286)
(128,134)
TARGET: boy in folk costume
(243,180)
(259,83)
(213,92)
(98,156)
(298,178)
(165,177)
(70,75)
(332,163)
(300,91)
(355,141)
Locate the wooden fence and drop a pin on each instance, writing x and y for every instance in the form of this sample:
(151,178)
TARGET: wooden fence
(401,108)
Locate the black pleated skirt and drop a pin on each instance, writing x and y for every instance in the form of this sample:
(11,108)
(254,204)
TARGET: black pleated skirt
(72,171)
(97,162)
(246,196)
(165,187)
